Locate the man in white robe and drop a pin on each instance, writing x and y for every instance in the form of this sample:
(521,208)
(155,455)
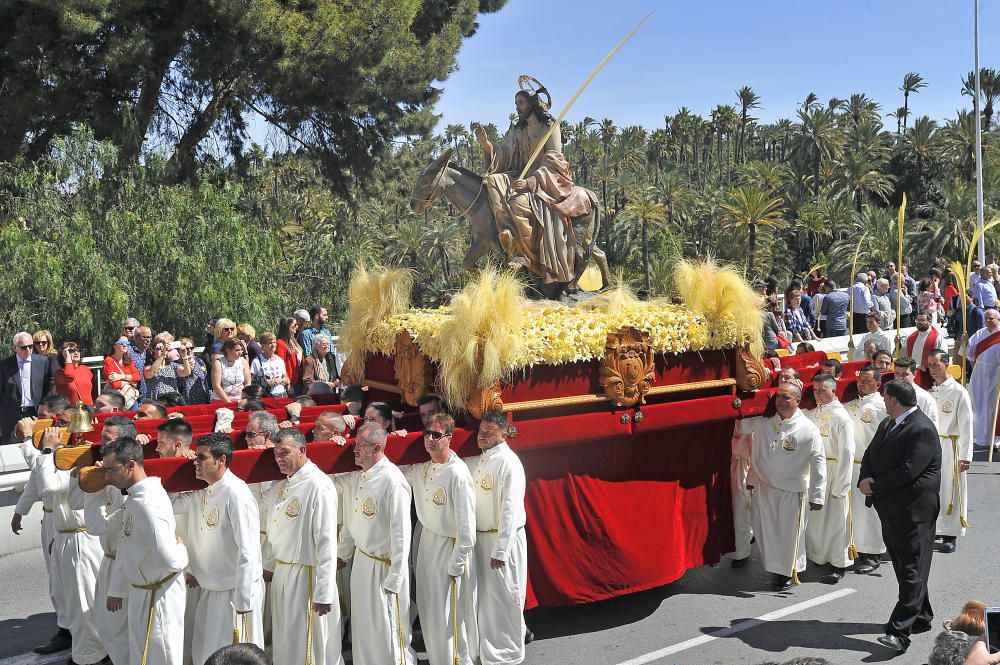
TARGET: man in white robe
(955,428)
(882,339)
(259,435)
(923,340)
(739,466)
(905,369)
(224,552)
(984,351)
(446,507)
(150,561)
(302,543)
(501,551)
(76,554)
(376,535)
(827,532)
(866,412)
(787,471)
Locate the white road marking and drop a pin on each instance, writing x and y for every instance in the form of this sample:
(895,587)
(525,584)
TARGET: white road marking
(35,659)
(732,630)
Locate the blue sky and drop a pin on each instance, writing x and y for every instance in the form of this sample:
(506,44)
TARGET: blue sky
(697,53)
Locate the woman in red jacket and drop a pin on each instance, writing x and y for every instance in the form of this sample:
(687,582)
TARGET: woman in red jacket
(121,373)
(289,350)
(74,381)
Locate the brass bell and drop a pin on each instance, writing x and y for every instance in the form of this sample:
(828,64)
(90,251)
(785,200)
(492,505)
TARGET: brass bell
(80,421)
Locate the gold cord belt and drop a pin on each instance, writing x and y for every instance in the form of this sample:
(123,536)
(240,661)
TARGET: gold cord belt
(79,529)
(381,559)
(151,588)
(831,459)
(110,555)
(857,461)
(486,531)
(47,510)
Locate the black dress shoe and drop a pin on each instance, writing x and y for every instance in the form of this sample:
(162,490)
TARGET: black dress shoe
(529,636)
(59,642)
(866,566)
(834,576)
(893,642)
(948,545)
(782,583)
(884,557)
(739,563)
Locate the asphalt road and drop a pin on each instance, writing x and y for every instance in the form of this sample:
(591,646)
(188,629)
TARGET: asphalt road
(711,615)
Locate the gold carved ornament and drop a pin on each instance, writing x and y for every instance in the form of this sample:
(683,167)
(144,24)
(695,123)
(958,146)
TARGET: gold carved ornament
(414,372)
(628,367)
(751,373)
(487,399)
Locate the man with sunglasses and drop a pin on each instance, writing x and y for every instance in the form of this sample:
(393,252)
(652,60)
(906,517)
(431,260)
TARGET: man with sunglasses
(142,337)
(224,550)
(25,380)
(446,507)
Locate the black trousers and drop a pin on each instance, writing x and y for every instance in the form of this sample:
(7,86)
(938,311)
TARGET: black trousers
(911,546)
(859,325)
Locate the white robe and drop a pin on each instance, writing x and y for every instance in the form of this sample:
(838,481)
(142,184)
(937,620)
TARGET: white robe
(376,535)
(883,340)
(866,413)
(29,496)
(262,494)
(343,573)
(926,403)
(983,388)
(739,466)
(920,343)
(302,544)
(224,556)
(787,471)
(103,513)
(827,535)
(446,508)
(77,558)
(500,485)
(955,426)
(150,556)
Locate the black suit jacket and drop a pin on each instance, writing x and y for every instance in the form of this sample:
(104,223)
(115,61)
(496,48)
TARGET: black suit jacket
(906,467)
(10,390)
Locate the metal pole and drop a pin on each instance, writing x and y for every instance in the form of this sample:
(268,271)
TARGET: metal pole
(979,150)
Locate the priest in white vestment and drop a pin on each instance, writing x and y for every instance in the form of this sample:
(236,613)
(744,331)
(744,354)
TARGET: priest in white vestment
(149,568)
(788,479)
(376,536)
(446,507)
(955,428)
(984,351)
(224,552)
(76,554)
(302,543)
(922,341)
(501,551)
(827,532)
(867,412)
(905,369)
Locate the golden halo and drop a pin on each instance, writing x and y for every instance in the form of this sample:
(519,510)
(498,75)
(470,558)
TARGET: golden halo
(532,85)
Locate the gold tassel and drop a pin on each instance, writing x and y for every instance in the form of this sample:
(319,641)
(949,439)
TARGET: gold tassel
(963,522)
(852,552)
(798,532)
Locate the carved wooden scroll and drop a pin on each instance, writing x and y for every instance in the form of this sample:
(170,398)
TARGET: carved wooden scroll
(627,369)
(414,372)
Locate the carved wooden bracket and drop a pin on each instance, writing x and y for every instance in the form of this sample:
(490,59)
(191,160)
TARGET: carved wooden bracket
(488,399)
(414,371)
(751,373)
(627,368)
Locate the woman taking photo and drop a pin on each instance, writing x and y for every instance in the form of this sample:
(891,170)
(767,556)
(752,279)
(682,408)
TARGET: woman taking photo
(268,369)
(289,350)
(230,373)
(121,373)
(74,381)
(194,387)
(160,371)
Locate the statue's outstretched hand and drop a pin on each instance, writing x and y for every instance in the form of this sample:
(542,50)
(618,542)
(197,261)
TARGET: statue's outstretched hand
(481,135)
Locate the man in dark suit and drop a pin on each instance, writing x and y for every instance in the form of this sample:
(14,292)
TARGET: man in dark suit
(25,380)
(901,476)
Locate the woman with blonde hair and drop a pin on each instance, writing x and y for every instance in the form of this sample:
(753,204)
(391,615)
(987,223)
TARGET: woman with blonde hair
(45,345)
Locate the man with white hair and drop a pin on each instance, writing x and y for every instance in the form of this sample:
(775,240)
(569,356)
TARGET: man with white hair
(923,340)
(787,471)
(376,536)
(302,548)
(827,537)
(986,293)
(25,380)
(864,302)
(883,304)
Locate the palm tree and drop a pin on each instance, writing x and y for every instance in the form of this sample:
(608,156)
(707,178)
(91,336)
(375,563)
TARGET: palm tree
(822,219)
(959,143)
(912,82)
(989,86)
(921,141)
(750,207)
(769,176)
(675,194)
(748,100)
(819,139)
(643,208)
(899,114)
(860,175)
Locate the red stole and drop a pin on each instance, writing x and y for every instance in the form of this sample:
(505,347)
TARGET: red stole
(929,343)
(987,342)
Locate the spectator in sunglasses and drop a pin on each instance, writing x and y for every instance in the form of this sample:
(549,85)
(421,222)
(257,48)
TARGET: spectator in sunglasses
(73,380)
(121,372)
(25,380)
(142,338)
(45,345)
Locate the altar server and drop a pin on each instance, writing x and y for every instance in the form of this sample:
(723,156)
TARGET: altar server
(501,551)
(151,559)
(224,552)
(984,349)
(302,544)
(827,535)
(446,507)
(376,535)
(905,369)
(787,472)
(76,555)
(867,412)
(955,427)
